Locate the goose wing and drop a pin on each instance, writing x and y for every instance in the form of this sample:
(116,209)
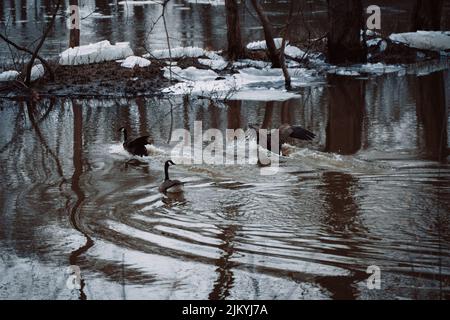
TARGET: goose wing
(168,184)
(141,141)
(300,133)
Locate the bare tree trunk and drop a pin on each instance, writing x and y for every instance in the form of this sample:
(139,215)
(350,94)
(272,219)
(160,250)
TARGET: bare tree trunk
(287,76)
(268,35)
(344,39)
(427,15)
(74,37)
(236,49)
(41,42)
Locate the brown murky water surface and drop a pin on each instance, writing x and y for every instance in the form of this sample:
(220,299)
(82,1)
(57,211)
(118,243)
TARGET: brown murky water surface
(373,188)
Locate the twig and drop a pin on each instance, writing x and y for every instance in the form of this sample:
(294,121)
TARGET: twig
(41,42)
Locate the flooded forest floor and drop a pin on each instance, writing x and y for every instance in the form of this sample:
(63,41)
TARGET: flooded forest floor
(110,79)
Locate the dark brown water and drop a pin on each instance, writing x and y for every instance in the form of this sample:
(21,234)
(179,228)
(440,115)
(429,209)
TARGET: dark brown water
(372,189)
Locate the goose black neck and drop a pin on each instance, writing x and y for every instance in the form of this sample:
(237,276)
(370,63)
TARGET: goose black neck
(166,171)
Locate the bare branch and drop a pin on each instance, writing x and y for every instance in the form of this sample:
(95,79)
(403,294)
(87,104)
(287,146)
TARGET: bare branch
(41,42)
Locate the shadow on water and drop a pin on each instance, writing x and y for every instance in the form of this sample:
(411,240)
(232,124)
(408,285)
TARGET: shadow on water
(225,278)
(432,115)
(346,105)
(74,210)
(346,108)
(31,108)
(341,219)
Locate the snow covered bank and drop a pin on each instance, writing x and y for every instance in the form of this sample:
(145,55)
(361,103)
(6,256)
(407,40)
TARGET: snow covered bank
(133,61)
(248,84)
(176,53)
(245,63)
(216,64)
(211,2)
(212,60)
(139,3)
(190,74)
(37,72)
(96,52)
(262,45)
(367,69)
(9,75)
(425,40)
(289,50)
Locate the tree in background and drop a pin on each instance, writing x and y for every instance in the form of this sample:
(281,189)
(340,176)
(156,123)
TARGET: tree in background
(74,35)
(427,15)
(236,49)
(346,20)
(268,35)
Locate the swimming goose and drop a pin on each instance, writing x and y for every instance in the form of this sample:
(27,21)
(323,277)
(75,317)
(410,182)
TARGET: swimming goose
(135,146)
(286,131)
(171,186)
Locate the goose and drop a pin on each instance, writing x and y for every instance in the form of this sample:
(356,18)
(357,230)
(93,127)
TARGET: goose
(170,186)
(135,146)
(286,131)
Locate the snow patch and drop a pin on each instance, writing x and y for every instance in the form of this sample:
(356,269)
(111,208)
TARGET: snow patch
(9,75)
(217,64)
(262,45)
(294,52)
(190,74)
(37,72)
(199,82)
(133,61)
(368,68)
(139,3)
(96,52)
(175,53)
(425,40)
(244,63)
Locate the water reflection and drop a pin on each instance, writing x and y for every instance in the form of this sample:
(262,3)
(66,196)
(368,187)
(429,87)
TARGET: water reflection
(225,278)
(346,105)
(342,219)
(71,195)
(75,209)
(432,116)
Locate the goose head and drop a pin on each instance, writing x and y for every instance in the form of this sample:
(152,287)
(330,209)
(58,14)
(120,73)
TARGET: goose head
(169,163)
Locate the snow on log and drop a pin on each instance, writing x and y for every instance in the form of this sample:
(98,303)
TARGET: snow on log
(9,75)
(424,40)
(37,72)
(134,61)
(96,52)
